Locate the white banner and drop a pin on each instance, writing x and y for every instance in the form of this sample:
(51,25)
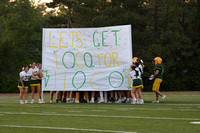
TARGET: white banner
(86,59)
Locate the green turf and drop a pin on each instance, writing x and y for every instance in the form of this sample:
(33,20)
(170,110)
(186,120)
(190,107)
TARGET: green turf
(172,115)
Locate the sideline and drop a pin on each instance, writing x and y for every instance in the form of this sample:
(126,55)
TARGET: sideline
(101,116)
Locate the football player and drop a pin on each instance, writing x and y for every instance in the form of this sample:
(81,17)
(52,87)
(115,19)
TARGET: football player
(159,70)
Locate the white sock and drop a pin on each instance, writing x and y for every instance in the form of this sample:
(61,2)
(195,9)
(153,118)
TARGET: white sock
(128,99)
(105,95)
(39,100)
(134,99)
(101,95)
(26,101)
(92,99)
(120,100)
(20,101)
(124,97)
(32,100)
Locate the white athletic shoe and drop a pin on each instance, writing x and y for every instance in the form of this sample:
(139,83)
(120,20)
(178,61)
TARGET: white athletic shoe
(72,101)
(134,102)
(68,101)
(76,101)
(138,102)
(40,102)
(119,101)
(26,102)
(43,101)
(51,101)
(155,101)
(32,102)
(123,100)
(128,101)
(105,100)
(162,98)
(92,101)
(101,101)
(88,101)
(21,102)
(141,102)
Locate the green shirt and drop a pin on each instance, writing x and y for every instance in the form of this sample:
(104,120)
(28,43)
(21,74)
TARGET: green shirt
(160,68)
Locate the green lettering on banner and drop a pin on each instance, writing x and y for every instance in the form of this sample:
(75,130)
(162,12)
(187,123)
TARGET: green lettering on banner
(121,82)
(64,56)
(115,35)
(83,81)
(46,79)
(94,40)
(103,39)
(91,64)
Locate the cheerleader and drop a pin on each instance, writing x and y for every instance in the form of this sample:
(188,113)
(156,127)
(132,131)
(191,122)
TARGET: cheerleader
(23,84)
(137,82)
(35,81)
(39,66)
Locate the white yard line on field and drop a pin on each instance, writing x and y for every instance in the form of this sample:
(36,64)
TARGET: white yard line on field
(99,110)
(122,107)
(74,111)
(102,116)
(195,122)
(50,112)
(65,128)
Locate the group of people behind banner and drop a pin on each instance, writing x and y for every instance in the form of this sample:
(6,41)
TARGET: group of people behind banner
(32,76)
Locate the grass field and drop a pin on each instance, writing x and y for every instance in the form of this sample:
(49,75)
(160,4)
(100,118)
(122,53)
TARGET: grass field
(174,115)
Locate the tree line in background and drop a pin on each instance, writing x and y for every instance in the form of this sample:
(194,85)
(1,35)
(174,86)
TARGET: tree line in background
(166,28)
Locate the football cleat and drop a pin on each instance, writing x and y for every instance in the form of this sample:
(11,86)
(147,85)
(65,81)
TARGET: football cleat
(155,101)
(163,98)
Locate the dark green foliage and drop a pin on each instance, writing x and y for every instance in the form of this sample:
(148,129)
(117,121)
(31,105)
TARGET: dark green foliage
(166,28)
(20,40)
